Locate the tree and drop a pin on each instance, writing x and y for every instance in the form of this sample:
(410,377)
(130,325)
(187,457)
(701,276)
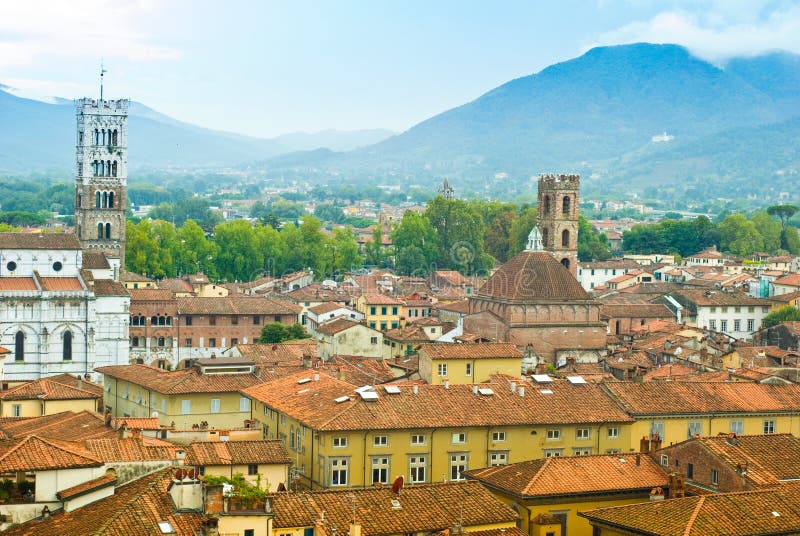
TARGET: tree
(769,229)
(416,244)
(376,253)
(787,313)
(498,235)
(297,331)
(643,239)
(273,333)
(592,244)
(783,212)
(329,212)
(740,236)
(521,227)
(460,229)
(239,258)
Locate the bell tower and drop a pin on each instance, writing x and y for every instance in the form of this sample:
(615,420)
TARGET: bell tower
(557,217)
(101,161)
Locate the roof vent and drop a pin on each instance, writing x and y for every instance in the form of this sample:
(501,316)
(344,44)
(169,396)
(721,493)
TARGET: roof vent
(397,506)
(546,391)
(368,396)
(542,378)
(341,399)
(392,389)
(303,380)
(415,389)
(486,391)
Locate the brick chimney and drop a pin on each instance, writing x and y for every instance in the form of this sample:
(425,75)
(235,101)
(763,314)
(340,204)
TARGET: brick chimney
(655,442)
(213,499)
(644,445)
(677,486)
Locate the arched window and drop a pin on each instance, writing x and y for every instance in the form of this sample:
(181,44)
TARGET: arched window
(111,196)
(105,199)
(108,230)
(565,238)
(565,262)
(162,321)
(66,351)
(161,342)
(115,137)
(565,205)
(114,169)
(547,204)
(100,230)
(108,168)
(545,237)
(96,137)
(19,346)
(97,199)
(134,341)
(153,320)
(169,320)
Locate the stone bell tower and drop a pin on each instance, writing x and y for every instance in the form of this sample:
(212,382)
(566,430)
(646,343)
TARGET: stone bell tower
(101,161)
(558,217)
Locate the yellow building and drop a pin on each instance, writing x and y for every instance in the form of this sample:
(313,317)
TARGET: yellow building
(676,411)
(48,396)
(262,463)
(343,437)
(561,487)
(469,362)
(381,312)
(207,392)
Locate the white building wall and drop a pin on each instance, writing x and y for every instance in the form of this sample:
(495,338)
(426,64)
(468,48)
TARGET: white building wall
(723,319)
(595,277)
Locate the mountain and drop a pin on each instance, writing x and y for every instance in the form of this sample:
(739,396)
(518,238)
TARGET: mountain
(38,136)
(597,114)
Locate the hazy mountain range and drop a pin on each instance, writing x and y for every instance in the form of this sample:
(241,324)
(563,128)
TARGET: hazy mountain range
(732,127)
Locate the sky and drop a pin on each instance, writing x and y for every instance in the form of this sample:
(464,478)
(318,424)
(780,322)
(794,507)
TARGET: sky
(266,68)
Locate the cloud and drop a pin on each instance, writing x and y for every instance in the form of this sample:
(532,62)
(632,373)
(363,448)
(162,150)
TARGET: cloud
(35,29)
(717,31)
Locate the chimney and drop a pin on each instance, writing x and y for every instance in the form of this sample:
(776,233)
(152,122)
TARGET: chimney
(306,360)
(638,459)
(447,384)
(521,391)
(644,445)
(676,486)
(655,442)
(415,389)
(513,387)
(186,490)
(457,530)
(213,499)
(123,431)
(210,527)
(316,376)
(474,389)
(355,529)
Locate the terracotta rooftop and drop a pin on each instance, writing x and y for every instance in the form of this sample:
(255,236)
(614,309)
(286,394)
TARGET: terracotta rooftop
(278,353)
(359,370)
(478,350)
(675,398)
(426,508)
(132,277)
(150,294)
(375,298)
(790,280)
(60,283)
(574,475)
(33,453)
(708,253)
(176,285)
(635,310)
(236,305)
(17,283)
(95,260)
(109,479)
(314,403)
(107,287)
(67,426)
(460,306)
(189,380)
(411,333)
(130,449)
(772,511)
(337,326)
(135,508)
(48,389)
(39,241)
(533,275)
(137,423)
(325,307)
(237,452)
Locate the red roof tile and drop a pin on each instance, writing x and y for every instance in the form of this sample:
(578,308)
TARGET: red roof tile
(17,283)
(478,350)
(533,275)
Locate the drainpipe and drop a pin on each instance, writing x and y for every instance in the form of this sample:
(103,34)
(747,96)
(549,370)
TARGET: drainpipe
(364,454)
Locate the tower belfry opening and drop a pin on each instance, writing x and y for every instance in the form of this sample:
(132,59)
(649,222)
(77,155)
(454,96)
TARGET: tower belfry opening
(557,219)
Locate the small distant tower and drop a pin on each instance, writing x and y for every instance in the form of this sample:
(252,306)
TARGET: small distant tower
(558,217)
(445,190)
(101,161)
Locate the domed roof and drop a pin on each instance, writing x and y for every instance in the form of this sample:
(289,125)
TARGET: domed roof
(533,275)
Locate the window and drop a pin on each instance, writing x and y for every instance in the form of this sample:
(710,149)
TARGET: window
(612,451)
(340,442)
(383,326)
(252,469)
(373,340)
(565,238)
(498,436)
(380,469)
(188,321)
(372,325)
(737,427)
(664,460)
(212,342)
(66,349)
(737,325)
(372,310)
(380,441)
(612,432)
(212,320)
(234,320)
(256,320)
(338,471)
(416,468)
(583,433)
(394,310)
(689,470)
(459,438)
(751,325)
(442,368)
(16,410)
(583,451)
(769,426)
(695,428)
(724,309)
(565,205)
(383,311)
(186,407)
(712,309)
(714,477)
(554,434)
(553,453)
(187,343)
(498,458)
(712,324)
(234,341)
(458,464)
(723,325)
(244,404)
(469,369)
(657,428)
(215,405)
(19,346)
(249,532)
(57,266)
(417,439)
(737,309)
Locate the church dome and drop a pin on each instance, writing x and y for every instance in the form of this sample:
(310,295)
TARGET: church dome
(533,275)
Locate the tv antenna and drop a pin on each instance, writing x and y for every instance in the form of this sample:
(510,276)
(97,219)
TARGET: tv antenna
(102,72)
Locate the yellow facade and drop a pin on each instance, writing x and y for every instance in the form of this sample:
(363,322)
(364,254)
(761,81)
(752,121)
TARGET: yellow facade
(674,429)
(230,524)
(271,474)
(37,408)
(326,459)
(380,316)
(219,410)
(462,371)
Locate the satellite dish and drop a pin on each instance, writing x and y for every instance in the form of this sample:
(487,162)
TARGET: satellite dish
(155,414)
(397,485)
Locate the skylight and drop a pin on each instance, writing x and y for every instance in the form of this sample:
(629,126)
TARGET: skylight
(542,378)
(166,527)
